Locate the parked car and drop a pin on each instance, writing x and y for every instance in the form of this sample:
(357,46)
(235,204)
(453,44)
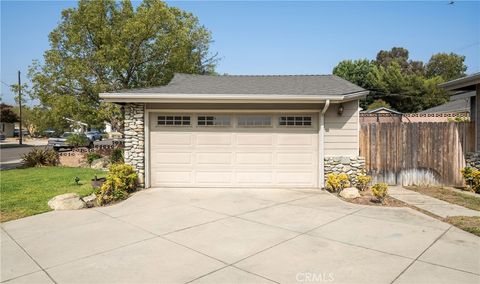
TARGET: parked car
(49,132)
(61,142)
(2,136)
(16,133)
(94,135)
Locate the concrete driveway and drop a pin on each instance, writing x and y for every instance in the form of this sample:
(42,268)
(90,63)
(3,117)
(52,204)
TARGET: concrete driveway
(237,236)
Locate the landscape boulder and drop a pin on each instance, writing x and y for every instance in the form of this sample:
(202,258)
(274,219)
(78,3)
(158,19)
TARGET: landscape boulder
(349,193)
(90,200)
(67,201)
(101,163)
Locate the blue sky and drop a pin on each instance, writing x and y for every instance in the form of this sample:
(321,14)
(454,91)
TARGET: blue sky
(277,37)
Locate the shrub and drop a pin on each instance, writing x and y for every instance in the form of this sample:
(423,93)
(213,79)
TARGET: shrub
(121,180)
(116,156)
(380,191)
(337,182)
(77,140)
(472,178)
(40,157)
(92,156)
(363,181)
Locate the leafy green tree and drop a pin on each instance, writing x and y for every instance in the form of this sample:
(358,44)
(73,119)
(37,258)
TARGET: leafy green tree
(355,71)
(106,45)
(404,84)
(448,66)
(378,104)
(399,55)
(7,114)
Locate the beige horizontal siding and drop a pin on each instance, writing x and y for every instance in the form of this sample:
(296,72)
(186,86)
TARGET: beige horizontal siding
(341,132)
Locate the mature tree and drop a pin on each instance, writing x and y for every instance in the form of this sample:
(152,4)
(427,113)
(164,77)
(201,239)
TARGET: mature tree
(7,114)
(355,71)
(396,54)
(106,45)
(448,66)
(404,84)
(378,104)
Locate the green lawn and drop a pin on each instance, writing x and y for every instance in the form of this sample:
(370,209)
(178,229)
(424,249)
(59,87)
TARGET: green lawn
(25,192)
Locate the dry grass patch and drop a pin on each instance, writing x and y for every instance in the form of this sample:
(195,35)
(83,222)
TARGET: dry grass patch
(469,224)
(449,195)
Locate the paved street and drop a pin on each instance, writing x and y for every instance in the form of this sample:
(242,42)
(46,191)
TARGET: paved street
(12,157)
(237,236)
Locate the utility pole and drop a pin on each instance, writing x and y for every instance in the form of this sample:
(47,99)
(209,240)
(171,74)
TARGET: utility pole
(20,133)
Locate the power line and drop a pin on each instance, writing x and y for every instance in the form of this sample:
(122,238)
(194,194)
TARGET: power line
(6,84)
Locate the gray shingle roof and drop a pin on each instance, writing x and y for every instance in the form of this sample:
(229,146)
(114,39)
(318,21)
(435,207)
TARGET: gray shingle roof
(250,84)
(457,106)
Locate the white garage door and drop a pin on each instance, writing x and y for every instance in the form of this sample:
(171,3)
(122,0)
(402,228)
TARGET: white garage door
(233,150)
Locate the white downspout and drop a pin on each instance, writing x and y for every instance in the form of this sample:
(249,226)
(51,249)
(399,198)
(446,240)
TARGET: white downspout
(321,145)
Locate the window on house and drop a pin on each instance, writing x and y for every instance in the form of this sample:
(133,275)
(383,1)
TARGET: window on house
(173,120)
(213,120)
(295,120)
(254,120)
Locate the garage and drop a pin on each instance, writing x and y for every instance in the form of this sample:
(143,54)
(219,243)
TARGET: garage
(261,131)
(233,149)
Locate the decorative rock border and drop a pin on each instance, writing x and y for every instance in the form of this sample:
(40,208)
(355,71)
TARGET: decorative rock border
(352,166)
(135,139)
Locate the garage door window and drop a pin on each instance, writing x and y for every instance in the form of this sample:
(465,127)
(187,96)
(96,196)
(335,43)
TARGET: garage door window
(295,120)
(254,121)
(173,120)
(213,120)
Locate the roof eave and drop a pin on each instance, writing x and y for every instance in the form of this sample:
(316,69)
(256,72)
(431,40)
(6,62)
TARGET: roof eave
(460,83)
(221,98)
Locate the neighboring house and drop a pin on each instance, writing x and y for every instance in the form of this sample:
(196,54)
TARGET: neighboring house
(381,114)
(469,84)
(458,105)
(240,131)
(7,128)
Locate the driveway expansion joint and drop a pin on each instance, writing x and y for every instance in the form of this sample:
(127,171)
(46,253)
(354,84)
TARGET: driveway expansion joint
(33,259)
(416,259)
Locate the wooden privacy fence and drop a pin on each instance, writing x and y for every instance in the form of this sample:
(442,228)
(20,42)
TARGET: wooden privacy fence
(417,153)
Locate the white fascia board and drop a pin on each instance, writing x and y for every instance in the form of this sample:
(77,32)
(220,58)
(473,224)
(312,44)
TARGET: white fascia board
(220,98)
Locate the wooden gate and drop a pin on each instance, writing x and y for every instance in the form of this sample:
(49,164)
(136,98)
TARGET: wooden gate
(417,153)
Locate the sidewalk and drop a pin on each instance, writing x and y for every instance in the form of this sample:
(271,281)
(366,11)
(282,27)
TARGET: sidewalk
(436,206)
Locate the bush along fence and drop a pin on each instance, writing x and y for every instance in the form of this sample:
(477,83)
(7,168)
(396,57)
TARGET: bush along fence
(426,153)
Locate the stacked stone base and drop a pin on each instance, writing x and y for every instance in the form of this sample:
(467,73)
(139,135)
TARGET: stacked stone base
(473,160)
(352,166)
(135,139)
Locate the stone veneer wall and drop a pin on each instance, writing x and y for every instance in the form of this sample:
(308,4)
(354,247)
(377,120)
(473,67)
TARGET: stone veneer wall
(473,160)
(352,166)
(135,139)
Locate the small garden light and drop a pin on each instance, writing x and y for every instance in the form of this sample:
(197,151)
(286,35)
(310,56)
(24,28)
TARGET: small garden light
(77,179)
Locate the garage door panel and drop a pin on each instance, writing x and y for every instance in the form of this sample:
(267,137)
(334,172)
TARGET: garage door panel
(296,158)
(169,158)
(255,139)
(292,178)
(214,139)
(214,158)
(254,177)
(171,177)
(252,158)
(172,139)
(214,178)
(296,140)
